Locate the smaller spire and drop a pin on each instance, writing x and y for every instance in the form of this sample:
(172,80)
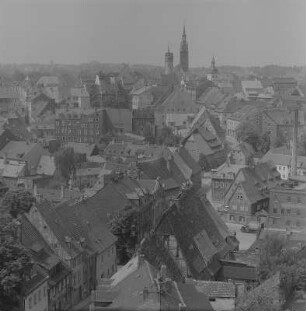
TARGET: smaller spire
(213,61)
(168,48)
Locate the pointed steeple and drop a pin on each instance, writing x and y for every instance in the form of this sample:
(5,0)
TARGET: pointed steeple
(213,62)
(184,33)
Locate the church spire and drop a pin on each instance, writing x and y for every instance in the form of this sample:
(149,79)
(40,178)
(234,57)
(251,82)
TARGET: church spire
(184,61)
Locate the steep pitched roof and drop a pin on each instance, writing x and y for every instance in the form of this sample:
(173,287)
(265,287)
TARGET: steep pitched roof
(199,232)
(179,101)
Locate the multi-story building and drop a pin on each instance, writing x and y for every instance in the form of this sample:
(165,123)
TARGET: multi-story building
(284,85)
(142,98)
(78,125)
(283,162)
(249,192)
(287,207)
(143,119)
(50,85)
(222,178)
(78,98)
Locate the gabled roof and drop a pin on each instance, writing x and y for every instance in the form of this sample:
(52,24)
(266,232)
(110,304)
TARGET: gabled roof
(199,231)
(97,237)
(256,180)
(78,92)
(179,101)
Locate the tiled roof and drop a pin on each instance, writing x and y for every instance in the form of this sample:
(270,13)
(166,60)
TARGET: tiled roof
(179,101)
(97,237)
(283,159)
(193,298)
(197,229)
(17,149)
(124,293)
(226,170)
(215,289)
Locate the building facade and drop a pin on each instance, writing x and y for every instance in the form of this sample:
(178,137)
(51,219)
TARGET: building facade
(80,126)
(287,207)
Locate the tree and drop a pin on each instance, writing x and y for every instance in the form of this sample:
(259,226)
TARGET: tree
(124,227)
(264,143)
(17,202)
(204,163)
(166,137)
(15,264)
(280,140)
(66,161)
(248,132)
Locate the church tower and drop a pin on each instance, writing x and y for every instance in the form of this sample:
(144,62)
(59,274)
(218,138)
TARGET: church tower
(184,61)
(168,62)
(214,73)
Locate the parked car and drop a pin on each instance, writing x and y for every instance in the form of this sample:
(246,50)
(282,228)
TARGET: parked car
(251,227)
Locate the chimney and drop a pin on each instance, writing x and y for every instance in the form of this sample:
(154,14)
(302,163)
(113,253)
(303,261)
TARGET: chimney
(68,241)
(35,190)
(62,192)
(294,143)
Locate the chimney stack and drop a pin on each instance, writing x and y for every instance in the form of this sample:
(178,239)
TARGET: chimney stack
(35,190)
(62,192)
(294,144)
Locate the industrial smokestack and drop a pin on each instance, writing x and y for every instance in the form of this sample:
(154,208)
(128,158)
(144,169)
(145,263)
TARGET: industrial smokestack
(294,144)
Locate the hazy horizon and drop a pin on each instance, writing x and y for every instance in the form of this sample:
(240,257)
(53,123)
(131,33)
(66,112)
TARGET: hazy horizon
(237,32)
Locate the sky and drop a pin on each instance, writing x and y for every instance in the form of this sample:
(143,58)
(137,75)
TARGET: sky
(237,32)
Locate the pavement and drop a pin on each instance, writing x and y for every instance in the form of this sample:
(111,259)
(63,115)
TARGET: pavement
(245,239)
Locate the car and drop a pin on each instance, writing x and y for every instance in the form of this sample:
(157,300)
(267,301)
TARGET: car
(251,227)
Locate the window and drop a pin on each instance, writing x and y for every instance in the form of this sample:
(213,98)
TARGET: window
(239,196)
(35,299)
(39,295)
(274,221)
(232,217)
(113,250)
(288,223)
(241,219)
(288,211)
(45,291)
(274,210)
(282,211)
(298,211)
(101,258)
(297,223)
(30,302)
